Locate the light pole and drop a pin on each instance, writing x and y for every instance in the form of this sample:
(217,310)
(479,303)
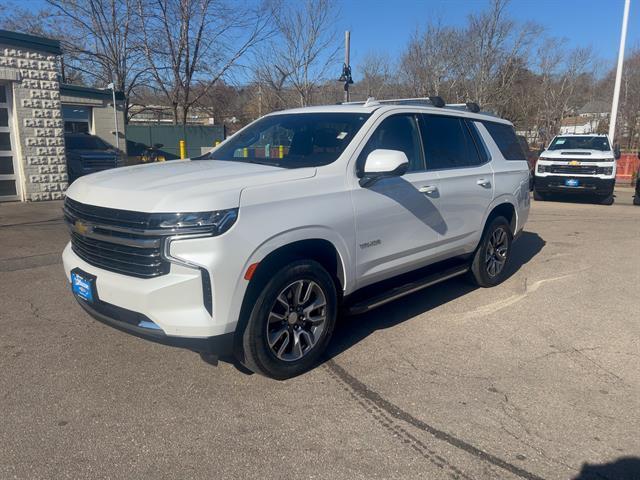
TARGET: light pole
(346,68)
(115,114)
(616,88)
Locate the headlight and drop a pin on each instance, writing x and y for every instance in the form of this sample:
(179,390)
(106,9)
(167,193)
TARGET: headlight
(213,223)
(542,168)
(605,170)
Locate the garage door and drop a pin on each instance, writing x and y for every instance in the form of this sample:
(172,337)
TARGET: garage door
(9,185)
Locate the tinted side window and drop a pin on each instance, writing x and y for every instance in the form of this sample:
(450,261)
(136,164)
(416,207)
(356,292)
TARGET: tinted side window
(398,132)
(505,138)
(480,145)
(447,143)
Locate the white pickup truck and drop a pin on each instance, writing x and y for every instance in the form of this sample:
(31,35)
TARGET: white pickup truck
(249,251)
(577,164)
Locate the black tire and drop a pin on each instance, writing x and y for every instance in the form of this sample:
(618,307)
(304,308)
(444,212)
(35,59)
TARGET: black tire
(481,273)
(607,199)
(257,354)
(636,199)
(538,196)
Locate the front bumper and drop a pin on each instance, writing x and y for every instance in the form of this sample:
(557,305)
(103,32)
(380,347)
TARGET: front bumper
(177,302)
(129,321)
(588,185)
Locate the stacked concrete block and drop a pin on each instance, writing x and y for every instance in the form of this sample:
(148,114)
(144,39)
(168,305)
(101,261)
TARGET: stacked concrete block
(40,126)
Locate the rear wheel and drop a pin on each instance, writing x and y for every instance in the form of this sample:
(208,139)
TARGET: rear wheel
(291,322)
(489,264)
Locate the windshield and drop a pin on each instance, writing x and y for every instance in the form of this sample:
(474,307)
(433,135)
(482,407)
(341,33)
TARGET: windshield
(292,140)
(580,143)
(85,143)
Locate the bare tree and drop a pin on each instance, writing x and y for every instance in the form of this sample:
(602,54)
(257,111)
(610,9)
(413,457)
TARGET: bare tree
(376,74)
(561,71)
(99,41)
(431,62)
(302,51)
(195,43)
(494,47)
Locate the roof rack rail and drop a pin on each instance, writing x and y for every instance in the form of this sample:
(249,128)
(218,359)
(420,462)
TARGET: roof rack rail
(471,106)
(433,101)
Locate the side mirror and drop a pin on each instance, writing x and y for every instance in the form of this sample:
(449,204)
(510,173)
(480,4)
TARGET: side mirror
(158,145)
(383,163)
(616,151)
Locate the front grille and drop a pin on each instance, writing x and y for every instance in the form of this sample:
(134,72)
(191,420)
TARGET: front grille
(97,164)
(115,240)
(573,169)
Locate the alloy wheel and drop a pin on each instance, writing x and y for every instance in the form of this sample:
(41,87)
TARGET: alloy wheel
(496,252)
(297,320)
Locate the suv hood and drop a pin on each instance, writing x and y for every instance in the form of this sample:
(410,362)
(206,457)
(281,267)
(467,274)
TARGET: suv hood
(178,185)
(582,155)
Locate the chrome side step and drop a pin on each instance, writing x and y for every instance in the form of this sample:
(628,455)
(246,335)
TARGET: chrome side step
(376,301)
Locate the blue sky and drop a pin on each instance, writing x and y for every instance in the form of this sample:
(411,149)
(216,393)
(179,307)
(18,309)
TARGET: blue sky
(386,25)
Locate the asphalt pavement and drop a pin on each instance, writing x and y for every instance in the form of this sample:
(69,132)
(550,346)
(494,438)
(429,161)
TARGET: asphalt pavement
(536,378)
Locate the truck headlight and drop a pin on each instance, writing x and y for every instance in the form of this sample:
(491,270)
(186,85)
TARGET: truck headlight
(542,168)
(212,223)
(605,170)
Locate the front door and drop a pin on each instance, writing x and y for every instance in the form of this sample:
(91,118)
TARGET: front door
(9,179)
(397,219)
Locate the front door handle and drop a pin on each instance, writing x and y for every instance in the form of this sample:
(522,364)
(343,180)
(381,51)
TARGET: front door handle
(428,189)
(483,182)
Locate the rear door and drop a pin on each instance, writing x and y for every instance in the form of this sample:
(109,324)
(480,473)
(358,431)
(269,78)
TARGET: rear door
(454,149)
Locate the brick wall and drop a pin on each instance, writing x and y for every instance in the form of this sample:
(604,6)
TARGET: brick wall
(40,128)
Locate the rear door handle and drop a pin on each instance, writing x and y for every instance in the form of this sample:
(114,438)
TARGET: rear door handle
(483,182)
(428,189)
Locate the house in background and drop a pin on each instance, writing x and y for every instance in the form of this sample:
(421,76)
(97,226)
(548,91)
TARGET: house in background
(35,112)
(588,119)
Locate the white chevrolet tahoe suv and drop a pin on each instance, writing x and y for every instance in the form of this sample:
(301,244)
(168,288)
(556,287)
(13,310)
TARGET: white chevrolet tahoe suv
(577,164)
(249,252)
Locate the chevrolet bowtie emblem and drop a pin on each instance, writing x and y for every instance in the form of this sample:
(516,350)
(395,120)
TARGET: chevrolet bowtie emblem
(574,162)
(81,227)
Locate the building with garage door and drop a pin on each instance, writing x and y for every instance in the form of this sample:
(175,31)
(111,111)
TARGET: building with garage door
(36,110)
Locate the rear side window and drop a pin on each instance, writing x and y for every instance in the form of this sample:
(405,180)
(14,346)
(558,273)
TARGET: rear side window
(447,143)
(505,138)
(398,132)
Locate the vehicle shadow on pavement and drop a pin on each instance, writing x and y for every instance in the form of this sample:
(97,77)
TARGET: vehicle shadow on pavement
(577,199)
(624,468)
(351,329)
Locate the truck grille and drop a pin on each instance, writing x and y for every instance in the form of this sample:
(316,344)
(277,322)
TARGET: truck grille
(115,240)
(573,169)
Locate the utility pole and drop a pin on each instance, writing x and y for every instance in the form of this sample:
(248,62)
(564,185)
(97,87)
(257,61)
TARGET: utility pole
(346,68)
(616,88)
(115,115)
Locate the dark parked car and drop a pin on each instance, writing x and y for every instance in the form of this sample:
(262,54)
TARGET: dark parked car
(88,154)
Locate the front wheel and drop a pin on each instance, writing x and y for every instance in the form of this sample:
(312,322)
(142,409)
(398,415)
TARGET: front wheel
(607,199)
(489,264)
(291,322)
(537,195)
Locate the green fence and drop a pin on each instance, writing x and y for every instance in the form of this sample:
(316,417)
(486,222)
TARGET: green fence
(198,137)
